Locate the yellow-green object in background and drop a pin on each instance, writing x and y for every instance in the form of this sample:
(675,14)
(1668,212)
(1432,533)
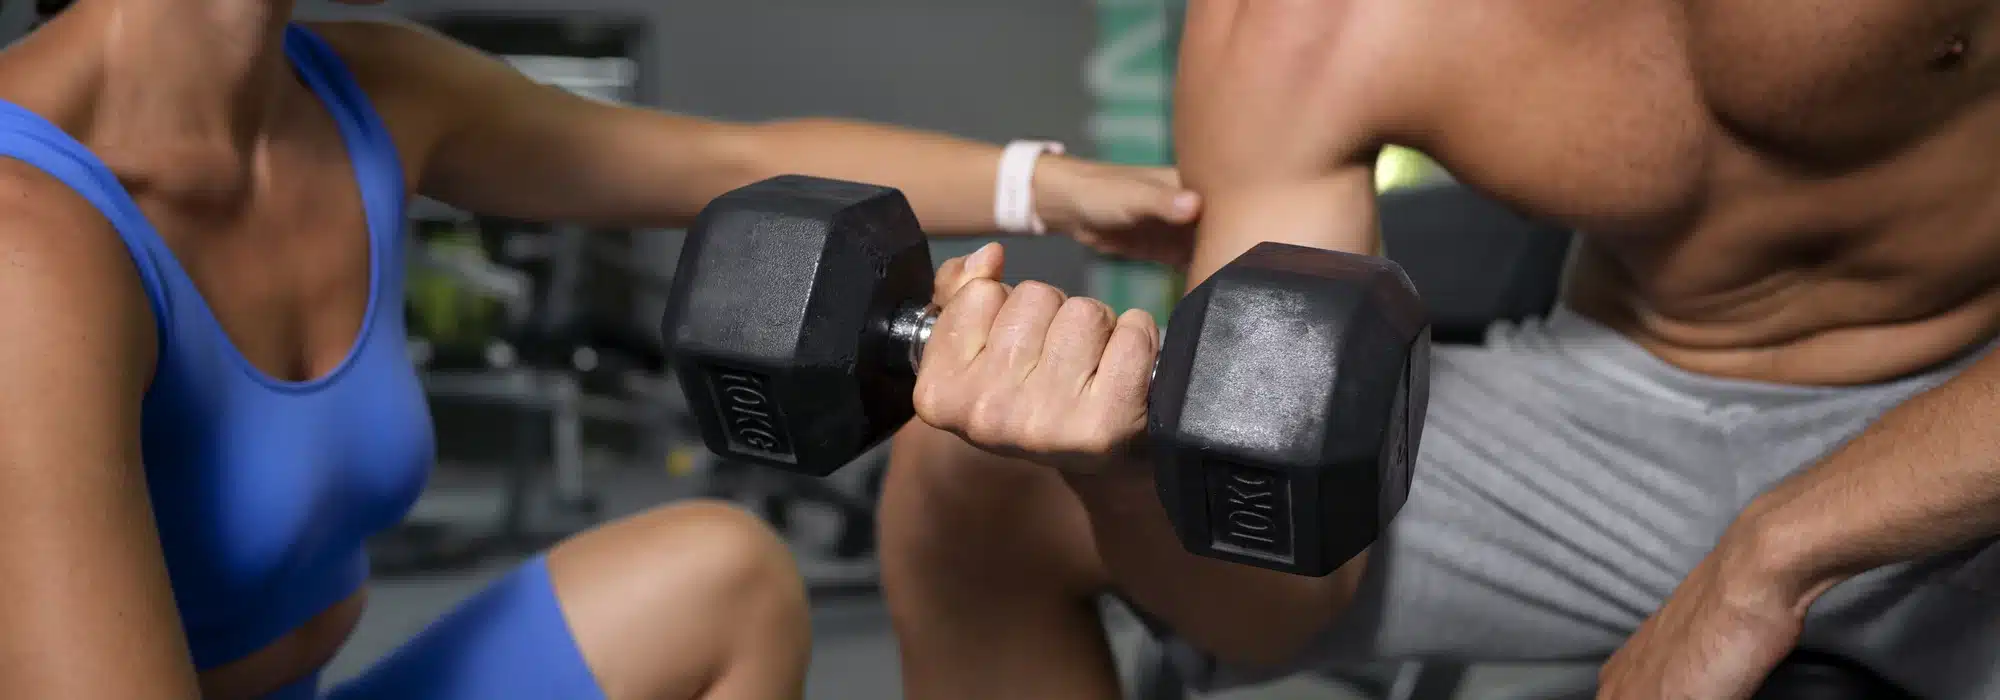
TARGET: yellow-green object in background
(1398,167)
(442,310)
(682,459)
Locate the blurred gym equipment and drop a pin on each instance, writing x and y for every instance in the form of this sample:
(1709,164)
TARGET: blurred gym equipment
(495,324)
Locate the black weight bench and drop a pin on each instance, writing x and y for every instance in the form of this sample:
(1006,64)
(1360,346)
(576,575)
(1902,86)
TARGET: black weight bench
(1474,261)
(1477,263)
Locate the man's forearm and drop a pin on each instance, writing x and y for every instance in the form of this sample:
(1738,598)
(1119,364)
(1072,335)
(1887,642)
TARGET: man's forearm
(1260,617)
(1209,599)
(1923,480)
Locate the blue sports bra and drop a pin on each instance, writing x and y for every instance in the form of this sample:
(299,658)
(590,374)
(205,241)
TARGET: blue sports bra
(264,490)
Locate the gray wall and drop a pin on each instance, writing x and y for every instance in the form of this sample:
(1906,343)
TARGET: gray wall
(985,69)
(14,17)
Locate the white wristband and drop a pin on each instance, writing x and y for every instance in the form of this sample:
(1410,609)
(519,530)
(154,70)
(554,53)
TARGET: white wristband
(1014,189)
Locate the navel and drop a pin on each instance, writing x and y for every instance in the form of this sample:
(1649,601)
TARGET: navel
(1951,55)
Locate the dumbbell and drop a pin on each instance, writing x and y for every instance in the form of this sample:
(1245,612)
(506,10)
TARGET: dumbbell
(1286,404)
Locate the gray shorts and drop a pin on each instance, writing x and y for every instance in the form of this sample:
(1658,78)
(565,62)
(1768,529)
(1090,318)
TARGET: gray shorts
(1568,480)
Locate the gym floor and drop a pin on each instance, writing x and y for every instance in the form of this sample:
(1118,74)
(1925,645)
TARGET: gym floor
(854,650)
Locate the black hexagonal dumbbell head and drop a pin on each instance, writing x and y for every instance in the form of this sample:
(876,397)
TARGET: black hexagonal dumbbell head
(1287,406)
(776,323)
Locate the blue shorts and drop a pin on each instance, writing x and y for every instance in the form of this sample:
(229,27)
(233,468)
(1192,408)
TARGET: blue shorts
(509,641)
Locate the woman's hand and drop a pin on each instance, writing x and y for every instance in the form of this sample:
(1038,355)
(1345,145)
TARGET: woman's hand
(1126,211)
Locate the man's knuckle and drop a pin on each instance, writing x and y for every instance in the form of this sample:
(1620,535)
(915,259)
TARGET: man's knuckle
(1034,292)
(933,402)
(992,433)
(1095,437)
(978,286)
(1104,310)
(1043,426)
(991,411)
(1080,310)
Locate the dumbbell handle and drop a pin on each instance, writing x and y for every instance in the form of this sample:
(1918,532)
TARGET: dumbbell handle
(911,327)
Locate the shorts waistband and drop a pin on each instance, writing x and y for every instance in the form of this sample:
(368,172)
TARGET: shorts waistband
(1604,350)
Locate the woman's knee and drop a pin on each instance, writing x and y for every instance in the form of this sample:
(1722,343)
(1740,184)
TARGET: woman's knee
(675,600)
(688,560)
(723,551)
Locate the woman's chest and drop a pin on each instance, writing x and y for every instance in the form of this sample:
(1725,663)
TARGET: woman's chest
(250,479)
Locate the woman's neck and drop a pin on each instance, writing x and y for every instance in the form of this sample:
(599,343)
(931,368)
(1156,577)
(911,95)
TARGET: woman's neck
(188,87)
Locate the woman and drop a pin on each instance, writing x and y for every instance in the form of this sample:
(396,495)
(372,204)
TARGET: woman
(207,404)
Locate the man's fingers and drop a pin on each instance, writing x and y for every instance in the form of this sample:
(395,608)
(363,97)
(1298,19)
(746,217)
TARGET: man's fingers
(1126,369)
(988,263)
(1074,345)
(1021,327)
(949,277)
(963,326)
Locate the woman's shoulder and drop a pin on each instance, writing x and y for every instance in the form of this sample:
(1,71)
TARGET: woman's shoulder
(69,282)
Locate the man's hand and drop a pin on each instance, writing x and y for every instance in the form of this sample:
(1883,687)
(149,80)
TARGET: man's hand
(1032,373)
(1130,212)
(1727,626)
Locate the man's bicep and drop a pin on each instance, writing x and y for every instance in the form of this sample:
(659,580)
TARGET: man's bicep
(1275,90)
(1282,106)
(1334,211)
(87,586)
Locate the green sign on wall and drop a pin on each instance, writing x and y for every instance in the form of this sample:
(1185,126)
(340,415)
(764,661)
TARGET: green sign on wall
(1131,76)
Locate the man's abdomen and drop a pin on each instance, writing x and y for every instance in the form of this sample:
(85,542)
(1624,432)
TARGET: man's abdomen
(1784,302)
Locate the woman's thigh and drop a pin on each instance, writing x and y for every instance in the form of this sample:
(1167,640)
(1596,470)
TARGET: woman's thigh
(510,640)
(695,600)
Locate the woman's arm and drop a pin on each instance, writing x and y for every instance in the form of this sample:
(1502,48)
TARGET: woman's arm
(499,143)
(88,610)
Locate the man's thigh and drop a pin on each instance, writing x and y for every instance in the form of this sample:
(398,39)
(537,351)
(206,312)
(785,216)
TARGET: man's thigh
(1564,486)
(1551,510)
(1931,626)
(1567,482)
(1558,499)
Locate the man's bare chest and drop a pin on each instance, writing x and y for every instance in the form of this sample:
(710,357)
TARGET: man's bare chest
(1656,120)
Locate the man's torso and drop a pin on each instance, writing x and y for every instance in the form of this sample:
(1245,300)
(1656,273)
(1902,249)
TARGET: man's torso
(1780,190)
